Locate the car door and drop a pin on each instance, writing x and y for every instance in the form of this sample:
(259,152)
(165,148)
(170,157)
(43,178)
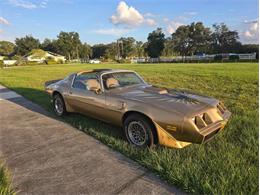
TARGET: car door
(83,100)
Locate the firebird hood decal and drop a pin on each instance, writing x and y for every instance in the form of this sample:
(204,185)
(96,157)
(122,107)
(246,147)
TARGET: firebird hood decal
(182,102)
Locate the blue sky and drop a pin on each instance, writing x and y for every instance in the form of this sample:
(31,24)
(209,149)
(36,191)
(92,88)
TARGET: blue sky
(103,21)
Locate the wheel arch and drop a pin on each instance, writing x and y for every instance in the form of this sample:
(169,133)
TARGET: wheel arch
(56,93)
(130,112)
(67,105)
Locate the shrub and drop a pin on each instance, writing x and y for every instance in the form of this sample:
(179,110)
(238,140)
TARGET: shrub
(60,62)
(51,60)
(21,62)
(234,57)
(1,63)
(124,61)
(218,58)
(16,57)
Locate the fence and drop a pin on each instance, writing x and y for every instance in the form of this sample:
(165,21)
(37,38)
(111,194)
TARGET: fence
(202,58)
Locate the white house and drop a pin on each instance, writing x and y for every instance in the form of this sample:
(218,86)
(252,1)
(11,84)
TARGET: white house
(9,62)
(35,57)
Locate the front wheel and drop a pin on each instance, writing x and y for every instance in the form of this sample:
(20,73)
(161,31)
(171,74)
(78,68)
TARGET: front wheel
(59,105)
(139,131)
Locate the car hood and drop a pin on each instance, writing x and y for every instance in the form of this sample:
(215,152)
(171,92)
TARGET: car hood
(168,99)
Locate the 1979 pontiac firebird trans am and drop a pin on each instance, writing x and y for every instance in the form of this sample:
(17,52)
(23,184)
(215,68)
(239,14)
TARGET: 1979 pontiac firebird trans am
(149,115)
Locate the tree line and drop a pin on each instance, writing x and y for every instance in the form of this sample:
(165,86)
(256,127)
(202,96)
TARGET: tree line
(187,40)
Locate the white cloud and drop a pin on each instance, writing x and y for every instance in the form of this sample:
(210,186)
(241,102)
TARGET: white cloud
(251,32)
(173,25)
(149,14)
(254,26)
(166,20)
(150,22)
(4,21)
(43,3)
(127,15)
(130,17)
(191,13)
(248,34)
(23,4)
(28,4)
(112,31)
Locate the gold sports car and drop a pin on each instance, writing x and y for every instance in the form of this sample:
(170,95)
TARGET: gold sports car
(149,115)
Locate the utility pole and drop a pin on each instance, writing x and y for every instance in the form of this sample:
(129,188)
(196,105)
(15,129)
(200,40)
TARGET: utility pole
(119,49)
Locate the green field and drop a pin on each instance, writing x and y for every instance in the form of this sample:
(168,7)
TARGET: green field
(227,164)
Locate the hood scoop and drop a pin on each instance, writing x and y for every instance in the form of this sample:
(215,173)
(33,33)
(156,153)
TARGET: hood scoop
(155,90)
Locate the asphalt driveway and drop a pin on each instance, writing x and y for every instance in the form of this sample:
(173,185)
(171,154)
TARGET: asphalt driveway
(47,156)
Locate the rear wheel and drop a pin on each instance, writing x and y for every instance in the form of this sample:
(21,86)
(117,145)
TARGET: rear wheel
(59,105)
(139,131)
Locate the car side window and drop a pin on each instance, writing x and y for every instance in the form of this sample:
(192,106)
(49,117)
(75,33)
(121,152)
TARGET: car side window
(80,82)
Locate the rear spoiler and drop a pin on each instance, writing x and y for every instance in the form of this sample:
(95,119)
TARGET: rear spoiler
(51,82)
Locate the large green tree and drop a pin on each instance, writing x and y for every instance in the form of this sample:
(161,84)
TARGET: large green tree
(181,40)
(224,40)
(200,37)
(155,43)
(99,50)
(168,47)
(111,51)
(139,49)
(6,48)
(85,52)
(126,46)
(26,44)
(249,48)
(189,39)
(50,45)
(68,44)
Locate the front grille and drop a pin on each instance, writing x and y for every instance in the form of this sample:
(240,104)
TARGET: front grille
(199,122)
(221,108)
(202,120)
(206,118)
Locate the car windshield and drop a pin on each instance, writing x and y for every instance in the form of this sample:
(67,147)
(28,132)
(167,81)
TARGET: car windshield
(120,79)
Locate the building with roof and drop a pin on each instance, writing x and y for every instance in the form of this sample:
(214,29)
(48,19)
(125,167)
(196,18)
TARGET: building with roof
(40,56)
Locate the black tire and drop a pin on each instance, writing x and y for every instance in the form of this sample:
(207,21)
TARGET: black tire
(145,124)
(59,102)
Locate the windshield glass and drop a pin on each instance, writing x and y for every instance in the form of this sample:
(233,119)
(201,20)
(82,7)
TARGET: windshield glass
(120,79)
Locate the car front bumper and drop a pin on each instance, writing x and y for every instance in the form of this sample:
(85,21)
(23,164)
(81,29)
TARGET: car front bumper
(210,131)
(204,135)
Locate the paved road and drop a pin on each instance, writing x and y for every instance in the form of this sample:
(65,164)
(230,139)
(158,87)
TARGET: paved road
(47,156)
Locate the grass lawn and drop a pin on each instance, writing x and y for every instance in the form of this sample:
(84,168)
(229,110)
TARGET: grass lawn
(227,164)
(5,183)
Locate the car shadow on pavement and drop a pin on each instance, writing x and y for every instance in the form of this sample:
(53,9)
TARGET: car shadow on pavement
(39,101)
